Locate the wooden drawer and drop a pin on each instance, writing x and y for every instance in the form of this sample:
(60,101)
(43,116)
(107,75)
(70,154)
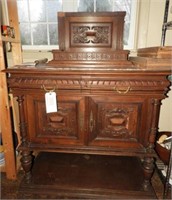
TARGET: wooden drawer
(118,83)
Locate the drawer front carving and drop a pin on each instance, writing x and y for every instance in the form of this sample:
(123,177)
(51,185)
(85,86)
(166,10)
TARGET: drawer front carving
(114,120)
(61,127)
(88,83)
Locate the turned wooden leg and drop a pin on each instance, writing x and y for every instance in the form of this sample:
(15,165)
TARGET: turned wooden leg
(26,162)
(148,167)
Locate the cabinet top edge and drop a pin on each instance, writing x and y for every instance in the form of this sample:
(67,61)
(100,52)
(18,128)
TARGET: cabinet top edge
(86,71)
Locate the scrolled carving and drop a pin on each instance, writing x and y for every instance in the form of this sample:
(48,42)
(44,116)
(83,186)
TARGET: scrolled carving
(102,34)
(91,34)
(79,34)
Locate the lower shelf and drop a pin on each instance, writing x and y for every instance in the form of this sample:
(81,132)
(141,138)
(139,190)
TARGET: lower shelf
(57,175)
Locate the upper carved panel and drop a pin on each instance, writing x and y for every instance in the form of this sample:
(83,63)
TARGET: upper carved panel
(82,30)
(90,34)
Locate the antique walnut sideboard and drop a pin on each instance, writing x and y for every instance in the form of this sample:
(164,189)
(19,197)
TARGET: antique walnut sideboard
(107,103)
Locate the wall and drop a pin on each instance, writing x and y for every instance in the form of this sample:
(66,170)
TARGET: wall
(149,34)
(151,14)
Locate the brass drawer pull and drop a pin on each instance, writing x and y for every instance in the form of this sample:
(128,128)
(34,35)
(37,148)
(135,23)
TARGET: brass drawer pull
(48,89)
(122,91)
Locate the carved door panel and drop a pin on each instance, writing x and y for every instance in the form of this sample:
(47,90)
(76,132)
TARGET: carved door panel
(65,126)
(115,121)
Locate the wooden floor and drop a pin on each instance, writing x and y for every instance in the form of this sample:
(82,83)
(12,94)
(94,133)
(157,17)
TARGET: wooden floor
(82,176)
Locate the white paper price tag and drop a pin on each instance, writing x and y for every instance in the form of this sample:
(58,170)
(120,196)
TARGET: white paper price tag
(50,102)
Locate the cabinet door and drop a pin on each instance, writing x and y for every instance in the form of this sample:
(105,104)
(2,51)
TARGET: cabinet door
(66,126)
(116,121)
